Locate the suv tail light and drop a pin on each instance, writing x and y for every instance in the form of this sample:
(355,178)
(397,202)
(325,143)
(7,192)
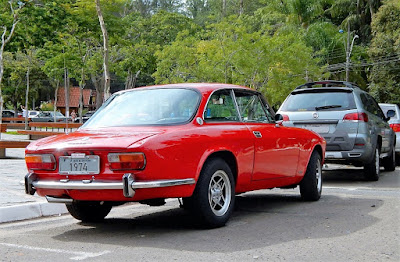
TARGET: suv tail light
(363,117)
(285,118)
(127,161)
(395,127)
(40,162)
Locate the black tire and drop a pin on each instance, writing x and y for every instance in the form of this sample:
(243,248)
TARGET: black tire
(398,159)
(389,162)
(311,184)
(88,211)
(371,169)
(214,196)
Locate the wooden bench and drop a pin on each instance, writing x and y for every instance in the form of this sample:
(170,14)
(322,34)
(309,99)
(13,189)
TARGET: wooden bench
(15,119)
(43,129)
(11,144)
(14,122)
(3,128)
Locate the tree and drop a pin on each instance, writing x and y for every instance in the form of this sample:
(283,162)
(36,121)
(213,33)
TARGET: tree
(385,53)
(5,39)
(231,53)
(106,55)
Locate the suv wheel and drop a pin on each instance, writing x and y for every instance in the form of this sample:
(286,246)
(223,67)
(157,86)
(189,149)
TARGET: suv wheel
(389,162)
(371,169)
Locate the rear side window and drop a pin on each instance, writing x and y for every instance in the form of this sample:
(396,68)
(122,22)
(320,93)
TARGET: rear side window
(318,101)
(371,105)
(252,108)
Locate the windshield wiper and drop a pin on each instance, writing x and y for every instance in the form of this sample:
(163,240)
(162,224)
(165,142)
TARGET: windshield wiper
(327,107)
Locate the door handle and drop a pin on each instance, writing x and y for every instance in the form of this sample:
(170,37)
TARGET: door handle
(257,134)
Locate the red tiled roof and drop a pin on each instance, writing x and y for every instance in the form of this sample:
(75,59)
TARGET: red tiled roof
(73,97)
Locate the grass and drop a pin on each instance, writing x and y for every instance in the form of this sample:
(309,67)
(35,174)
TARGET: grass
(13,133)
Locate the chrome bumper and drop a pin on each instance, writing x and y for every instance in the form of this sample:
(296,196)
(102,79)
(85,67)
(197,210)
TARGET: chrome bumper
(127,184)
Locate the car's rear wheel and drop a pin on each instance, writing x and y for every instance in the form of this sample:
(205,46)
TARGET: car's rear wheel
(311,184)
(214,196)
(89,211)
(372,169)
(389,162)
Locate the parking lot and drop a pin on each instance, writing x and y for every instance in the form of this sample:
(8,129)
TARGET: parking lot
(355,220)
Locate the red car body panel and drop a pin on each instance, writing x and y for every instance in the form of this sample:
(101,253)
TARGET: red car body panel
(278,159)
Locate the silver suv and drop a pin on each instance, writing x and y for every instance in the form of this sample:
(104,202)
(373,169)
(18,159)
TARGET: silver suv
(354,127)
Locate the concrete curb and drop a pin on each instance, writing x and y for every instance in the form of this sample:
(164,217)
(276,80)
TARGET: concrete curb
(30,210)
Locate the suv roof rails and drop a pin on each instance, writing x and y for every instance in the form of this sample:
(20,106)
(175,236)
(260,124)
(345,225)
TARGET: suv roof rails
(328,83)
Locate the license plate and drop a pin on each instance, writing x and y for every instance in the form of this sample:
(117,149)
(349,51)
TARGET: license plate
(81,165)
(317,128)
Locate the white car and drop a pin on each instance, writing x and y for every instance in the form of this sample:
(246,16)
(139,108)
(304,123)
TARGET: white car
(33,113)
(394,124)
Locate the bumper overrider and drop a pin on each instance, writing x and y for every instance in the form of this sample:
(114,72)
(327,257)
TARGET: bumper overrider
(127,184)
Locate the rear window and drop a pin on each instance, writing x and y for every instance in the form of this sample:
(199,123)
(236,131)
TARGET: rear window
(386,108)
(318,101)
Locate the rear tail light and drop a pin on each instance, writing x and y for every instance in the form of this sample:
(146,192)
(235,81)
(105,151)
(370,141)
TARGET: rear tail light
(362,117)
(285,117)
(40,162)
(395,127)
(127,161)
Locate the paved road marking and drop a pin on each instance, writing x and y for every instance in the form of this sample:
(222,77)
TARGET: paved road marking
(76,255)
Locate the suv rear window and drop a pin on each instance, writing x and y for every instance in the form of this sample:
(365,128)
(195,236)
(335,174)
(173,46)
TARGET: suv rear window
(315,101)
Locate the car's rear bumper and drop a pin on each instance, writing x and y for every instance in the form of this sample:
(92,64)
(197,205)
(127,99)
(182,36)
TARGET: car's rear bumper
(356,155)
(397,148)
(127,184)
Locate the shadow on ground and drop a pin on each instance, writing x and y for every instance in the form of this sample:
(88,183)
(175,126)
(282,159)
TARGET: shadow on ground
(259,220)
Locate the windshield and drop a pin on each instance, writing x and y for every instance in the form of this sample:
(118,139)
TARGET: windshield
(318,101)
(147,107)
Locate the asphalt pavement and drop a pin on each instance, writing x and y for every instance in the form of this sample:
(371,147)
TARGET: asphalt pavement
(14,203)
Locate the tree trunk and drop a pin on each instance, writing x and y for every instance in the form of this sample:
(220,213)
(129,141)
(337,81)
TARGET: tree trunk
(56,96)
(99,98)
(241,9)
(26,98)
(81,87)
(4,41)
(131,78)
(223,8)
(107,78)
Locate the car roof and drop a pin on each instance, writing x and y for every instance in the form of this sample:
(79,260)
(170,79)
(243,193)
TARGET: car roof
(201,87)
(386,104)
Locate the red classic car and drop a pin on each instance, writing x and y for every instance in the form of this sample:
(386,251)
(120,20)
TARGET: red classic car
(203,143)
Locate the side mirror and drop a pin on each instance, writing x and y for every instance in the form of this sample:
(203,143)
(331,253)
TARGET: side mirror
(390,113)
(278,120)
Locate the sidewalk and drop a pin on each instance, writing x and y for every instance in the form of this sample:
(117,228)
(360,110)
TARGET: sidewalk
(14,203)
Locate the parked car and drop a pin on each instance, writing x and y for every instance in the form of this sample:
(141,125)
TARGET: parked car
(48,116)
(8,113)
(350,120)
(85,116)
(203,143)
(33,113)
(394,123)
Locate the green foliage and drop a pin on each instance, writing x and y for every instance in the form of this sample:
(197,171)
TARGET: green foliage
(17,66)
(231,53)
(269,45)
(46,106)
(385,54)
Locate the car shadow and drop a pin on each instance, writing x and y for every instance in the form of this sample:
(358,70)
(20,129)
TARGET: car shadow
(259,220)
(342,176)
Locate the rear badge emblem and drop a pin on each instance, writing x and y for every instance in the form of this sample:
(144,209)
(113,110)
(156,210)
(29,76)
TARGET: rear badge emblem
(315,115)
